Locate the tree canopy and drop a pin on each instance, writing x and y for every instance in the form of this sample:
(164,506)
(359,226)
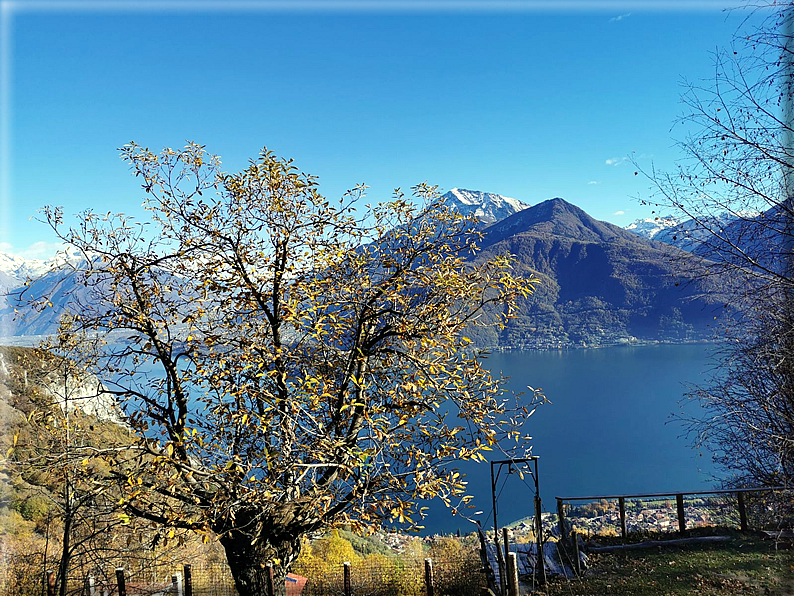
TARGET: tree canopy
(289,363)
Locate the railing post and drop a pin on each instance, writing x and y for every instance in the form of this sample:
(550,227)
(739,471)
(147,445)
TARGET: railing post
(122,584)
(506,541)
(679,503)
(743,525)
(540,567)
(348,582)
(429,577)
(576,562)
(271,588)
(500,562)
(622,507)
(561,518)
(188,570)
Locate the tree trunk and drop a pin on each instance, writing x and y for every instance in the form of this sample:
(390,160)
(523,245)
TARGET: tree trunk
(63,566)
(248,562)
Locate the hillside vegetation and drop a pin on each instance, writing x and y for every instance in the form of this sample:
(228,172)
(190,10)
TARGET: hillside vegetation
(600,285)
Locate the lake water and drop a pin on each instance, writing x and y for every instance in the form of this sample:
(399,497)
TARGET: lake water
(608,430)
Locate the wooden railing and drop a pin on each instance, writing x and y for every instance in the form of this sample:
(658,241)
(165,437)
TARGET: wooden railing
(679,498)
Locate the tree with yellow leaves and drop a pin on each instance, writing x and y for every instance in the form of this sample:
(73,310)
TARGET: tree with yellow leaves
(289,364)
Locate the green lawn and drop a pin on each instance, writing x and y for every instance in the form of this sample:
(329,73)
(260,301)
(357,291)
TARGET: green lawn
(746,564)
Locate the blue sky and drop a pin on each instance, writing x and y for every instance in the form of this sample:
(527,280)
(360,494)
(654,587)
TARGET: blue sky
(524,99)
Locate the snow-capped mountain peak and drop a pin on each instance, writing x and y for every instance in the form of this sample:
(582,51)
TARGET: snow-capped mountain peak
(485,206)
(15,269)
(651,226)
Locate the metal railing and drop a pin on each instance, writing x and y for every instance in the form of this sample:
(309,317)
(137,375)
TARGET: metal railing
(679,497)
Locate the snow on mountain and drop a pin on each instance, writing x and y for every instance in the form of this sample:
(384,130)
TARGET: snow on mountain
(485,206)
(14,270)
(53,278)
(651,226)
(687,234)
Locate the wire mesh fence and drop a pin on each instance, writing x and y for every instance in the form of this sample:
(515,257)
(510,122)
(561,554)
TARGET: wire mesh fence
(376,575)
(380,575)
(212,580)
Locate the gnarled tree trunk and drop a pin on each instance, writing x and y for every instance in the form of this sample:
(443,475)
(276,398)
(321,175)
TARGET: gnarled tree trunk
(248,556)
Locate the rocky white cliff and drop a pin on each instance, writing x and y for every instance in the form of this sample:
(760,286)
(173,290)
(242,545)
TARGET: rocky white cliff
(81,392)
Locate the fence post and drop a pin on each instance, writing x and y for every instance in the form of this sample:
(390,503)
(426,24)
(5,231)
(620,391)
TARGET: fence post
(91,586)
(271,590)
(743,526)
(540,566)
(576,562)
(506,540)
(561,518)
(622,507)
(429,577)
(188,569)
(512,575)
(348,582)
(49,578)
(679,503)
(120,581)
(500,562)
(176,582)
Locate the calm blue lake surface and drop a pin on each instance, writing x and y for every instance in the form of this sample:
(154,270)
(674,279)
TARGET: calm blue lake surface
(607,430)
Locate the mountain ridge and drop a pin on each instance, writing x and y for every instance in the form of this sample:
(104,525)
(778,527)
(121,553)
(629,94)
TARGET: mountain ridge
(600,284)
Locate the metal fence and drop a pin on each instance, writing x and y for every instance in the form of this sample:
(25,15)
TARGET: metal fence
(744,508)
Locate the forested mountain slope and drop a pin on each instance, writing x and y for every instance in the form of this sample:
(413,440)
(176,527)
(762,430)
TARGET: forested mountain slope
(600,284)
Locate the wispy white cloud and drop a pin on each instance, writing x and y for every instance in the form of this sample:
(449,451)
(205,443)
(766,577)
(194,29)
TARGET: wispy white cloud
(620,17)
(38,250)
(620,212)
(594,182)
(616,161)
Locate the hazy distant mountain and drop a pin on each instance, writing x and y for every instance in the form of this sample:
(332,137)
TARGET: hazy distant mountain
(763,236)
(600,284)
(14,269)
(25,282)
(691,235)
(487,207)
(26,315)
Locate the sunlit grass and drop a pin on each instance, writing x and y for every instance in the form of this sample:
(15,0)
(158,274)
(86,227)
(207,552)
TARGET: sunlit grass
(745,564)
